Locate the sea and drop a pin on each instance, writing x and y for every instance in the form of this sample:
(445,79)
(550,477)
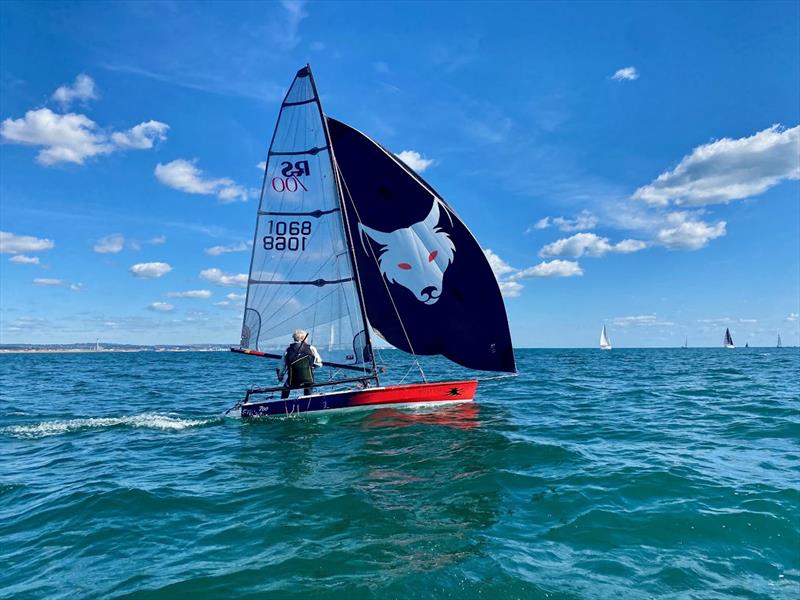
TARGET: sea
(635,473)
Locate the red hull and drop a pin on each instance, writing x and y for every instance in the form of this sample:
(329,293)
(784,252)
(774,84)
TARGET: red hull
(410,394)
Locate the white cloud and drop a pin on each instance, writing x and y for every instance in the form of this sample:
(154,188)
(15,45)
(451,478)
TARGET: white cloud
(217,250)
(141,136)
(110,244)
(262,166)
(728,169)
(21,259)
(155,241)
(625,74)
(589,244)
(510,289)
(499,267)
(190,294)
(82,89)
(585,220)
(287,33)
(553,268)
(232,299)
(640,320)
(414,160)
(686,233)
(48,282)
(72,137)
(161,307)
(227,279)
(791,317)
(150,270)
(502,271)
(542,223)
(11,243)
(185,176)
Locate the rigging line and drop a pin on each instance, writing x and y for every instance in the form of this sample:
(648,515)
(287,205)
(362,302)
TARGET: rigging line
(383,280)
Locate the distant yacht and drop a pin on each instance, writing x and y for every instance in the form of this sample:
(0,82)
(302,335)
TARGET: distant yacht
(685,342)
(780,345)
(605,343)
(728,341)
(747,344)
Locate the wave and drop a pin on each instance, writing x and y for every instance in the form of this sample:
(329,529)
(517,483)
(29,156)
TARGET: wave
(146,421)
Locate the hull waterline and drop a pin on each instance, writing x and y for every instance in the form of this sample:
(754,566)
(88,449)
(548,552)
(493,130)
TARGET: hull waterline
(400,396)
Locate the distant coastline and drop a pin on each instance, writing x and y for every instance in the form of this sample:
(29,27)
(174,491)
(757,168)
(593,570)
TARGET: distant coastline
(105,348)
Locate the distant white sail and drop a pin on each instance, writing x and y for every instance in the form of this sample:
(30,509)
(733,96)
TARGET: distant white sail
(605,343)
(780,345)
(728,341)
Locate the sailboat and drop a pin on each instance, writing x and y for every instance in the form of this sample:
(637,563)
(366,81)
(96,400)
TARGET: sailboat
(728,341)
(605,343)
(351,243)
(685,342)
(779,345)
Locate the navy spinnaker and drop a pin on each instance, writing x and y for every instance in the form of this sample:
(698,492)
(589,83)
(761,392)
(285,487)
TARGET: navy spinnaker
(428,287)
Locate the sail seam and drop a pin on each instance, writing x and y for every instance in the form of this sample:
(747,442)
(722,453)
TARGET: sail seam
(313,213)
(317,282)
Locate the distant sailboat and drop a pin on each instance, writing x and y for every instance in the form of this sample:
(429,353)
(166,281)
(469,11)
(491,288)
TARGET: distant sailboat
(780,345)
(685,342)
(747,344)
(728,341)
(605,343)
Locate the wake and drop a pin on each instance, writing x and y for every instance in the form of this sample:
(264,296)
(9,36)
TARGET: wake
(143,421)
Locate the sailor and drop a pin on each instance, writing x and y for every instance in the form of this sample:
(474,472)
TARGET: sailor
(299,362)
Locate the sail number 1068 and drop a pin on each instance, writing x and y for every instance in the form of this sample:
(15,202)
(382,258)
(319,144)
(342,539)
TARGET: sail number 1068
(287,235)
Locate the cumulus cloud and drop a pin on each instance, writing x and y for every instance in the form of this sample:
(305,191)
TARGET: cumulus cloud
(69,138)
(262,166)
(502,271)
(232,299)
(217,250)
(110,244)
(226,279)
(585,220)
(150,270)
(414,160)
(791,317)
(625,74)
(589,244)
(185,176)
(190,294)
(161,307)
(686,232)
(142,136)
(21,259)
(82,89)
(11,243)
(553,268)
(728,169)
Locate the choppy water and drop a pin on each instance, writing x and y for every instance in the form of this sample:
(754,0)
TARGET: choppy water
(629,474)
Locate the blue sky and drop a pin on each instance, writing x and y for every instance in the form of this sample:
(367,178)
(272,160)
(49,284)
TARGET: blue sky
(628,163)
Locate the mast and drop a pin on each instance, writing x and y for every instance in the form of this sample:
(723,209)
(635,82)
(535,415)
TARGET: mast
(345,224)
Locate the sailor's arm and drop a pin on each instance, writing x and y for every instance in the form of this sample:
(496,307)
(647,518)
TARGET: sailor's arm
(317,357)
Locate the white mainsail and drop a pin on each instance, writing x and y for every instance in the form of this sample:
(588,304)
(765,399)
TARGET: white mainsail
(605,343)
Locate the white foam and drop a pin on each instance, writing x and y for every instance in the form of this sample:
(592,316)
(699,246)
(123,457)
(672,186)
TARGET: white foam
(148,421)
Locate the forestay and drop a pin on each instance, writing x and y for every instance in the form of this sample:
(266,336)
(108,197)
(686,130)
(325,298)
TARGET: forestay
(301,274)
(427,286)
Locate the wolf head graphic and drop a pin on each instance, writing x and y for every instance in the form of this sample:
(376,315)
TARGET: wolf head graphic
(415,257)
